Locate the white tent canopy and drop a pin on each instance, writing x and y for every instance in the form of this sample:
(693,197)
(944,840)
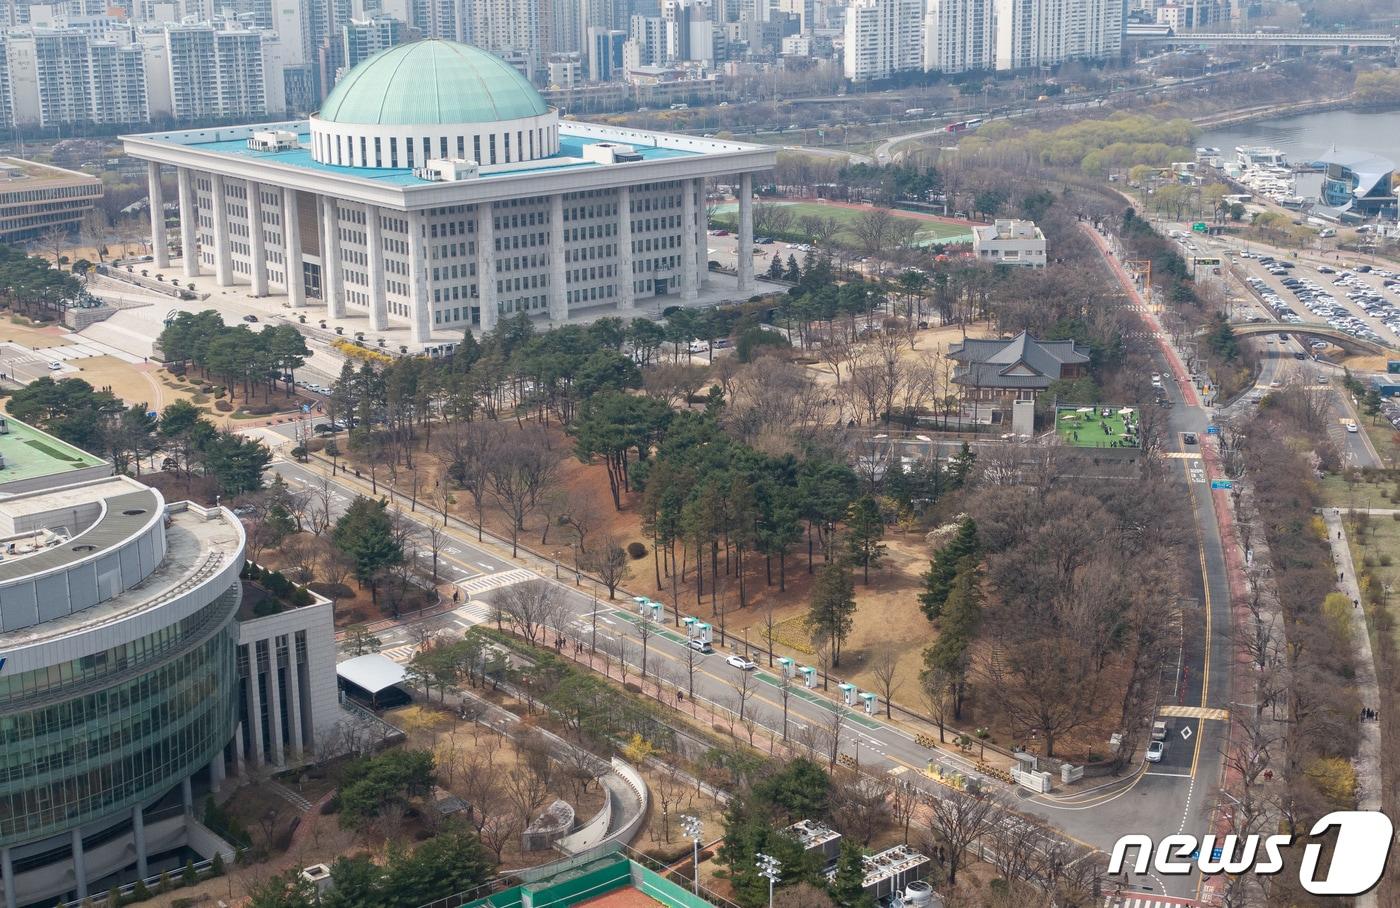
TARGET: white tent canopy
(372,673)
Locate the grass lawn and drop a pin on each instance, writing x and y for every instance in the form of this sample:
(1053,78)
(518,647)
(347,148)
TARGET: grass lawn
(1091,430)
(1379,544)
(930,232)
(1360,492)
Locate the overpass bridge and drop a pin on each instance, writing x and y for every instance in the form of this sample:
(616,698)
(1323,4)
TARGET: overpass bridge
(1272,39)
(1313,329)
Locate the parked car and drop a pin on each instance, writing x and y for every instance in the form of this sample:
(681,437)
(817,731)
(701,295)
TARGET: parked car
(742,663)
(1155,751)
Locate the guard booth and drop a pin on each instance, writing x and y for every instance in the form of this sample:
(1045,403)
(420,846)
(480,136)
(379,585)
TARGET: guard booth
(702,632)
(643,606)
(870,701)
(690,624)
(848,693)
(786,665)
(809,676)
(658,610)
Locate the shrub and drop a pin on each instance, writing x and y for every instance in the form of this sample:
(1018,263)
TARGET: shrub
(139,892)
(189,876)
(223,406)
(114,898)
(636,550)
(1387,560)
(216,866)
(302,597)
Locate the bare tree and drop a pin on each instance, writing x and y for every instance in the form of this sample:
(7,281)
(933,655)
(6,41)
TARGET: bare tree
(466,452)
(885,668)
(956,819)
(532,607)
(743,686)
(609,561)
(435,538)
(520,471)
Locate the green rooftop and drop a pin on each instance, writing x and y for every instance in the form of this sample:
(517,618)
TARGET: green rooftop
(30,454)
(432,82)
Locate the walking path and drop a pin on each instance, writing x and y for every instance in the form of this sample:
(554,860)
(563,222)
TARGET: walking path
(1368,753)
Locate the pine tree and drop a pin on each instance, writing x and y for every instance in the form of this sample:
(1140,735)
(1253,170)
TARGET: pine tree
(833,608)
(865,527)
(960,466)
(775,269)
(847,887)
(943,569)
(794,273)
(950,654)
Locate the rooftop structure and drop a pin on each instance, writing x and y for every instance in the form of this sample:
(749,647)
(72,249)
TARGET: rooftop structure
(437,191)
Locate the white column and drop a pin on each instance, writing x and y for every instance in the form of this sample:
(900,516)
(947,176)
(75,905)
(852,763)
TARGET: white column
(256,238)
(627,298)
(160,246)
(689,279)
(189,220)
(294,696)
(223,261)
(558,281)
(217,770)
(7,871)
(254,708)
(702,224)
(238,753)
(486,265)
(746,232)
(274,712)
(422,323)
(291,242)
(138,834)
(378,300)
(79,865)
(330,258)
(557,266)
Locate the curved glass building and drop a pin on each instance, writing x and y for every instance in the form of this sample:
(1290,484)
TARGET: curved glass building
(118,675)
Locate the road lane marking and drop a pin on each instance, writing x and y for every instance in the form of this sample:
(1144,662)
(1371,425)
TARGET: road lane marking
(1195,712)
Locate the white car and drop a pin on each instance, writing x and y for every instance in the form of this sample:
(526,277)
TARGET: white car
(740,662)
(1155,751)
(55,366)
(1353,427)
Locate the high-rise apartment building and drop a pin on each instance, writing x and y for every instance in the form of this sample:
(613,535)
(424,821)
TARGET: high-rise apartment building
(216,71)
(363,38)
(1033,33)
(61,76)
(510,29)
(118,74)
(883,37)
(959,36)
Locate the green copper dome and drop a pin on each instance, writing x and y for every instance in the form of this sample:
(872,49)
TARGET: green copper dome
(432,82)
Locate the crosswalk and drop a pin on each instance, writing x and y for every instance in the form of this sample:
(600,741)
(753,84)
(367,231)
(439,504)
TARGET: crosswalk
(1160,901)
(1195,712)
(478,585)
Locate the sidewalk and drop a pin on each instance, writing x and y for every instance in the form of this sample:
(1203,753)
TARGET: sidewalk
(1368,755)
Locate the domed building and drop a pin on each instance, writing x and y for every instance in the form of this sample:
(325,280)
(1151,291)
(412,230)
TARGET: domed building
(434,191)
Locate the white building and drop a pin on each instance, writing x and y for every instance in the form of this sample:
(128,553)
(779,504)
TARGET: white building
(883,37)
(1031,33)
(1010,242)
(959,36)
(436,191)
(216,71)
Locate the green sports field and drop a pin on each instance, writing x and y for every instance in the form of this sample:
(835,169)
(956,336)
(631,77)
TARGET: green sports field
(930,232)
(1094,430)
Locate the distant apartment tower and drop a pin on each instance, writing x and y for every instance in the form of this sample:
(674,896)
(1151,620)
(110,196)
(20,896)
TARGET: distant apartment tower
(61,76)
(605,54)
(690,35)
(216,72)
(363,38)
(511,30)
(959,36)
(883,37)
(1032,33)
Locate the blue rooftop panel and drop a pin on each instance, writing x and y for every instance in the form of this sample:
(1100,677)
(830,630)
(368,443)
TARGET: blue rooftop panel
(569,147)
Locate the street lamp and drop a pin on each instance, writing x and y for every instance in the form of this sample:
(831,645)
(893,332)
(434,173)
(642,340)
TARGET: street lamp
(770,869)
(692,827)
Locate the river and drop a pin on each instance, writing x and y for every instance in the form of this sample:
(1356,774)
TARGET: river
(1303,138)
